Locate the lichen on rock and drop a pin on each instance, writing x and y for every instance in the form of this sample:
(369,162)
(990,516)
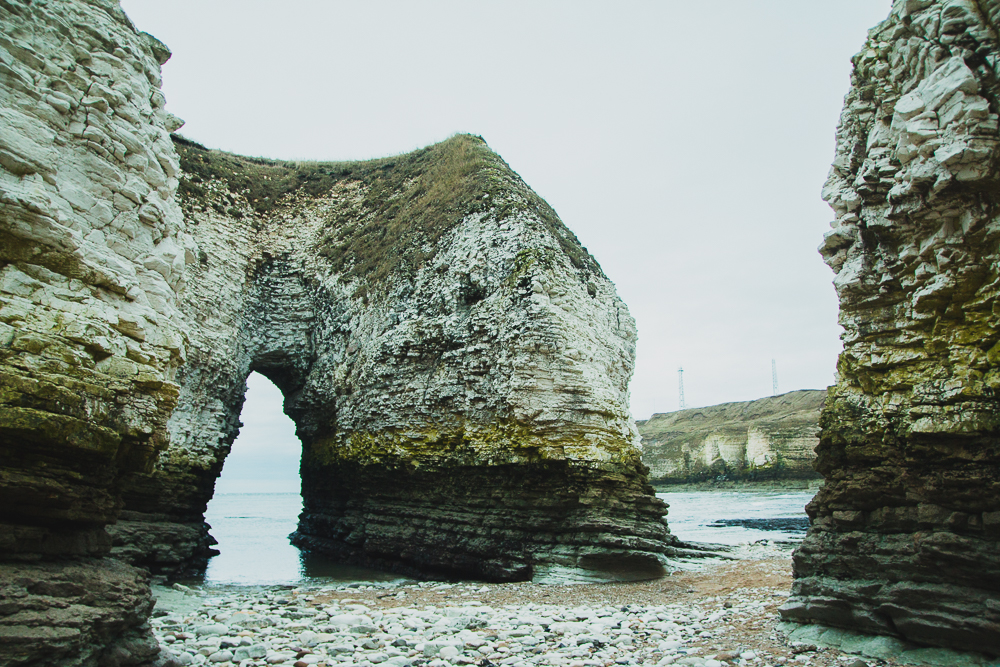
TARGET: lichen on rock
(905,531)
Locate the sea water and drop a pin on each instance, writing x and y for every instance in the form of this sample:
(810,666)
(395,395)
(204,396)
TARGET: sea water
(692,514)
(253,528)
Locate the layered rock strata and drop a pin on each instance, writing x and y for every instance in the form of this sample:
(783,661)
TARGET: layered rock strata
(92,256)
(456,365)
(906,531)
(455,362)
(772,438)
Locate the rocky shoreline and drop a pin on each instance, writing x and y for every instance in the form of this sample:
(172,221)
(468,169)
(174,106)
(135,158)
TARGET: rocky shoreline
(723,612)
(741,485)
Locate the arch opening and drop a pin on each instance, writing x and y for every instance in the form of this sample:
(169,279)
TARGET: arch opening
(257,497)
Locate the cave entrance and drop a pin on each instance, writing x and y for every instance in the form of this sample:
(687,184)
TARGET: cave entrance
(257,497)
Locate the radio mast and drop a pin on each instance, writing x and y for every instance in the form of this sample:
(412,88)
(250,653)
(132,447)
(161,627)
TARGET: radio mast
(774,378)
(680,387)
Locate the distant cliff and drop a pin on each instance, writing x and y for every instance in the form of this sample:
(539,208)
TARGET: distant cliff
(768,439)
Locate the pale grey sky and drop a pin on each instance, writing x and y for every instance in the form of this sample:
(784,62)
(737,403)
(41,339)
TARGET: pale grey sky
(685,143)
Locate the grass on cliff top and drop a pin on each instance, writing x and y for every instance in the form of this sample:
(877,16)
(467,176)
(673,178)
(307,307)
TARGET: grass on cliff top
(800,407)
(410,201)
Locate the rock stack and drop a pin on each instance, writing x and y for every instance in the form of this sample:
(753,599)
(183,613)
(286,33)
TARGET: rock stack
(906,531)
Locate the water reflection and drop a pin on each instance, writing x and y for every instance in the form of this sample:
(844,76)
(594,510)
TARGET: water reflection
(315,566)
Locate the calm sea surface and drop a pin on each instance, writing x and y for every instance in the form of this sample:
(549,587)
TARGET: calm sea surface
(252,530)
(692,514)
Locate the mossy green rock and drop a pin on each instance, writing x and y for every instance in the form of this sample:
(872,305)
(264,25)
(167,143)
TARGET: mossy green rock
(902,540)
(92,256)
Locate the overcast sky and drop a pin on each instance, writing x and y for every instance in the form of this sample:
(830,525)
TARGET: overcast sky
(685,143)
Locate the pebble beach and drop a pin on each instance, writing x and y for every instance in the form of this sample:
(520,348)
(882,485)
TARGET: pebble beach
(719,612)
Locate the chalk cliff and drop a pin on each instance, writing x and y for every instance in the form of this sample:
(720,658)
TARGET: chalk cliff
(92,255)
(456,365)
(906,531)
(455,362)
(771,438)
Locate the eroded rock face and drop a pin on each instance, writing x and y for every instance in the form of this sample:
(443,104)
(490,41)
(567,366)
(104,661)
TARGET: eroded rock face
(92,255)
(74,613)
(906,530)
(772,438)
(455,363)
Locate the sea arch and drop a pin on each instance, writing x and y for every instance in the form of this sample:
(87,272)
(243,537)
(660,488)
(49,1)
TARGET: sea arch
(456,365)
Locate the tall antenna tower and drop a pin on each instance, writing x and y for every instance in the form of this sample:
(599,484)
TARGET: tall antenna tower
(774,378)
(680,387)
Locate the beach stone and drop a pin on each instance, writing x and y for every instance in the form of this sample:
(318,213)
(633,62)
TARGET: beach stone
(434,648)
(339,649)
(349,620)
(250,652)
(239,618)
(221,656)
(279,657)
(568,628)
(211,629)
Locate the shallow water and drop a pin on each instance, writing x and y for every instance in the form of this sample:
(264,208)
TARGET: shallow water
(253,528)
(692,512)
